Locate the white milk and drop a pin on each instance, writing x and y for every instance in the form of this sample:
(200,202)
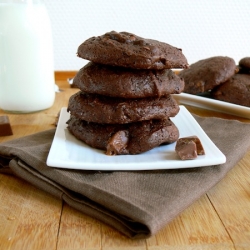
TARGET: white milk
(26,58)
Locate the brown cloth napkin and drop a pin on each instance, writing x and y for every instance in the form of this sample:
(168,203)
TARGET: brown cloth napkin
(137,203)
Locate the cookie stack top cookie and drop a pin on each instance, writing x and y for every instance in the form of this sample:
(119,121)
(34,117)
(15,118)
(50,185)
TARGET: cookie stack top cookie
(128,50)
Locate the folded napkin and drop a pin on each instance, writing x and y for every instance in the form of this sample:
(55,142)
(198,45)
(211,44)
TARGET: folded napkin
(137,203)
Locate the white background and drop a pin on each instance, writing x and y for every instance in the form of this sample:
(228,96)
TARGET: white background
(201,28)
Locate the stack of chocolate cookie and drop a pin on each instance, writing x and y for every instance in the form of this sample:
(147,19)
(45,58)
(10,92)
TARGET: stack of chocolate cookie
(124,103)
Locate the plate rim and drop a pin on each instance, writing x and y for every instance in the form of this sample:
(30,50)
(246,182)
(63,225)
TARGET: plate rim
(213,104)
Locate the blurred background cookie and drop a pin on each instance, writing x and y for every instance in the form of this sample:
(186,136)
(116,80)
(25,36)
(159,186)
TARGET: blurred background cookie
(236,90)
(208,73)
(244,65)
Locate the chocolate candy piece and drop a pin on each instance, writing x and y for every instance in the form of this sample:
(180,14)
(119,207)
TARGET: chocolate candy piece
(200,149)
(117,143)
(5,128)
(189,147)
(186,149)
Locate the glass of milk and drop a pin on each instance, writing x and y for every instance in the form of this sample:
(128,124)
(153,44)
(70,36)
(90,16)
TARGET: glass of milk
(27,81)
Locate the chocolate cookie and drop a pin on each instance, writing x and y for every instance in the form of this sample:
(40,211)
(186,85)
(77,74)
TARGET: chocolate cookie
(244,65)
(127,83)
(236,90)
(128,50)
(245,62)
(102,109)
(120,139)
(205,74)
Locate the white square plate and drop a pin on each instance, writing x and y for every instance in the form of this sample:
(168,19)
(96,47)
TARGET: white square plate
(212,104)
(68,152)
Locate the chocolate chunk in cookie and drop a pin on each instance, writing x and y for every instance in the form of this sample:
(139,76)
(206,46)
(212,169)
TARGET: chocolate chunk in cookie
(236,90)
(122,139)
(127,83)
(128,50)
(205,74)
(103,109)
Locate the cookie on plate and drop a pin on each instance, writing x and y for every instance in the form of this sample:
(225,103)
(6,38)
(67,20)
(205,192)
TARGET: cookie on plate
(123,139)
(206,74)
(127,83)
(244,65)
(236,90)
(103,109)
(128,50)
(245,62)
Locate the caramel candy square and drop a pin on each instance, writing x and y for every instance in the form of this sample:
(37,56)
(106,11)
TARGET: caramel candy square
(200,149)
(189,147)
(5,128)
(186,149)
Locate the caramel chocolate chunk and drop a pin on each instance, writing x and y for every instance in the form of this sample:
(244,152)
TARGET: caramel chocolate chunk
(117,143)
(5,128)
(200,149)
(186,149)
(189,147)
